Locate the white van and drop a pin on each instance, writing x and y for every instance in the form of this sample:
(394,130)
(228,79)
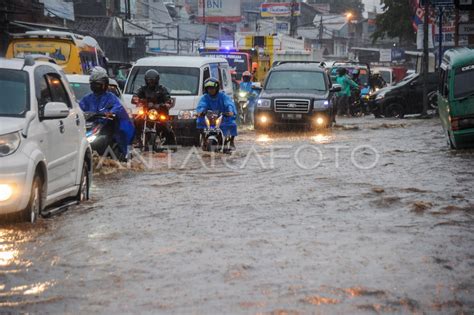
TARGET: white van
(184,77)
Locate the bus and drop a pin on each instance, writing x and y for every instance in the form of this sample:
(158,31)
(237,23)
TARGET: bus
(76,54)
(238,61)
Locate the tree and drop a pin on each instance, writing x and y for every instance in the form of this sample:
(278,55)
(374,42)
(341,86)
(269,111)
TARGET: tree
(395,21)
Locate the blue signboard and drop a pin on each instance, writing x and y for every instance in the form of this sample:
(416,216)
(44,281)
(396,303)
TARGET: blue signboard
(398,54)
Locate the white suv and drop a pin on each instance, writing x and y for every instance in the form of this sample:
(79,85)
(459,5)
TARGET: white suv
(44,154)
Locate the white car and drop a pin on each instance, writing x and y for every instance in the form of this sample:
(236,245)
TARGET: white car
(44,154)
(81,87)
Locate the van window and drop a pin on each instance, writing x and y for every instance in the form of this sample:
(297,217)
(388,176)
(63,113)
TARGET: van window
(207,74)
(178,80)
(225,79)
(463,79)
(215,71)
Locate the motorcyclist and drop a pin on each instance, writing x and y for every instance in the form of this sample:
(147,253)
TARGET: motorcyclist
(344,95)
(104,102)
(153,92)
(246,86)
(215,100)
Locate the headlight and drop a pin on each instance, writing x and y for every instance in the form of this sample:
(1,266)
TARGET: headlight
(264,103)
(242,94)
(380,96)
(6,192)
(141,111)
(218,122)
(321,104)
(9,143)
(187,114)
(91,138)
(153,114)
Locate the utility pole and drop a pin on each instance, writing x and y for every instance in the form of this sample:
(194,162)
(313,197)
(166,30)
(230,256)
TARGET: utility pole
(321,32)
(292,18)
(177,33)
(440,35)
(425,57)
(456,27)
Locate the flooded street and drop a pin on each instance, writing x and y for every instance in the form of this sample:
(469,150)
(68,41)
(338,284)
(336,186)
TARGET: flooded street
(375,216)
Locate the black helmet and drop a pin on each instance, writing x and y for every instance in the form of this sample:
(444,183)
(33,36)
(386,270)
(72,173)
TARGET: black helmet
(341,71)
(152,77)
(211,82)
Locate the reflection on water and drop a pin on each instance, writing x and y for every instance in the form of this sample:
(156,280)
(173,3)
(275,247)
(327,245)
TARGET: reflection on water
(7,256)
(263,138)
(322,138)
(22,291)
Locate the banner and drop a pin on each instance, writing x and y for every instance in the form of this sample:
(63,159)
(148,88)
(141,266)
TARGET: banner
(419,37)
(219,11)
(280,9)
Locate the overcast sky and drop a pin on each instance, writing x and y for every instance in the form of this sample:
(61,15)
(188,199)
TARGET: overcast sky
(369,5)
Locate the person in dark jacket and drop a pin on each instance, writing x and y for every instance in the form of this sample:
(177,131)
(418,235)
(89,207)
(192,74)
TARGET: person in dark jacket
(159,96)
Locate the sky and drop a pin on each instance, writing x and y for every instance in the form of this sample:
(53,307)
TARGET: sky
(369,5)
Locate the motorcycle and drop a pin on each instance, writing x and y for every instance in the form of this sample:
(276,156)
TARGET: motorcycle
(212,137)
(100,129)
(242,102)
(154,134)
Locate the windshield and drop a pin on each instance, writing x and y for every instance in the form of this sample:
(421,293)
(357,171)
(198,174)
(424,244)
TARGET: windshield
(14,90)
(386,75)
(60,51)
(178,80)
(83,89)
(237,61)
(463,79)
(296,80)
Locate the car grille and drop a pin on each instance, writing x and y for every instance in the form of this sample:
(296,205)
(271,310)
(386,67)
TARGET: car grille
(291,106)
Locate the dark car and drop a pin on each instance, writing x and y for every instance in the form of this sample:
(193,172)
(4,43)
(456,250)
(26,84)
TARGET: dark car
(296,94)
(403,98)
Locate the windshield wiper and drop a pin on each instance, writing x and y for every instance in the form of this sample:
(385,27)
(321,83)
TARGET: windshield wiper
(465,97)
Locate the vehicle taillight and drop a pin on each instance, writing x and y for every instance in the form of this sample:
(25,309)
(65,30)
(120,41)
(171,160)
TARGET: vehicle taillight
(454,123)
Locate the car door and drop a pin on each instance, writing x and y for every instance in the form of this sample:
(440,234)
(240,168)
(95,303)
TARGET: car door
(414,98)
(50,130)
(70,130)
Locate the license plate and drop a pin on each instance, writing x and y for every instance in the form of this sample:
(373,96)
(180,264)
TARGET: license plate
(292,116)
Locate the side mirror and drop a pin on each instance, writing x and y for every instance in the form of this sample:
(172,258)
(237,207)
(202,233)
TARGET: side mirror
(335,88)
(55,110)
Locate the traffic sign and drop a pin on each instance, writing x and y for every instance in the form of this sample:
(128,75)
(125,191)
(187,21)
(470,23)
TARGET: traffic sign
(466,29)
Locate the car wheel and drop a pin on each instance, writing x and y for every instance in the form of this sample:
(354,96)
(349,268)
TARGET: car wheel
(84,188)
(394,110)
(33,209)
(433,100)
